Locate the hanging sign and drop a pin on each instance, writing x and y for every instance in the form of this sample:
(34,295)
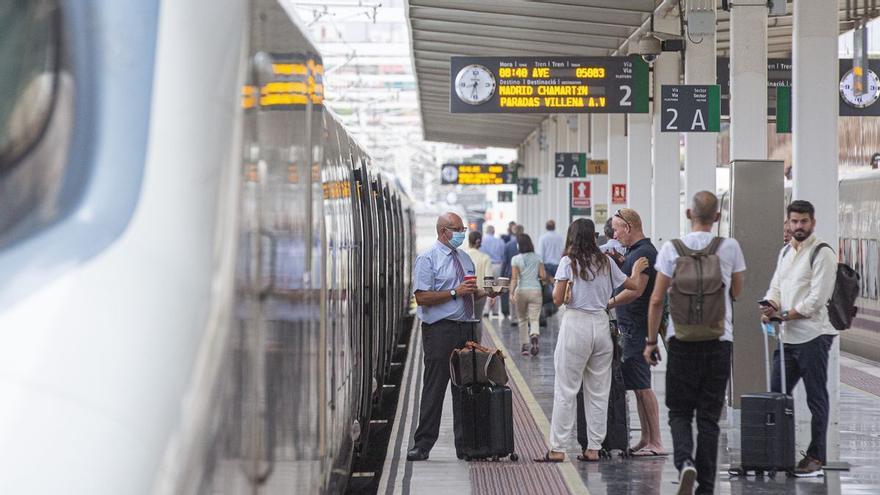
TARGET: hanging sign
(527,186)
(571,165)
(549,85)
(505,196)
(477,174)
(597,167)
(690,108)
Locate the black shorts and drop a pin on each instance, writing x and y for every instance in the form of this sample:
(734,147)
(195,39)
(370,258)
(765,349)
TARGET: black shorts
(636,373)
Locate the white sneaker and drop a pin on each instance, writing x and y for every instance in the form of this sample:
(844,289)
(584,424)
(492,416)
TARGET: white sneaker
(686,478)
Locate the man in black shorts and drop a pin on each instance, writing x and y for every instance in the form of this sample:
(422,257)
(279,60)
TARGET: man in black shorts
(632,317)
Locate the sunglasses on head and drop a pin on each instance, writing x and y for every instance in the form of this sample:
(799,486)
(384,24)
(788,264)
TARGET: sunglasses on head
(618,215)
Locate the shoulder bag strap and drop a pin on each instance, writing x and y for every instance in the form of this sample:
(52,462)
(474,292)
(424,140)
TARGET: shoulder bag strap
(816,252)
(681,248)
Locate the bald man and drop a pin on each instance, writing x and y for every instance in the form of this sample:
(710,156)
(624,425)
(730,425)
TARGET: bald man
(696,372)
(446,305)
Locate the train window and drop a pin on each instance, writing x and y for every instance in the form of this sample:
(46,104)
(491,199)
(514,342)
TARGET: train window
(29,50)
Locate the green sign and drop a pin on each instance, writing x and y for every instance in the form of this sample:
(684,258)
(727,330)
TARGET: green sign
(571,165)
(783,109)
(690,108)
(527,186)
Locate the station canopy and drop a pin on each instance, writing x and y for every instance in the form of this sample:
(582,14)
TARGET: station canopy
(441,29)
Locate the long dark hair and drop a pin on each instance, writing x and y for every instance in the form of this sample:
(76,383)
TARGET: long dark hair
(581,248)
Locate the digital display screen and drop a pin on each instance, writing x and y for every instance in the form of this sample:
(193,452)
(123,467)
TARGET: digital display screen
(549,85)
(477,174)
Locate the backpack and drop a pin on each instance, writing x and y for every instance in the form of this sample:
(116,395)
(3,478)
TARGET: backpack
(842,305)
(697,302)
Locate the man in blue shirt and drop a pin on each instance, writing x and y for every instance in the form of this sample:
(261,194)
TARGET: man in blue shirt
(550,247)
(632,316)
(494,247)
(446,309)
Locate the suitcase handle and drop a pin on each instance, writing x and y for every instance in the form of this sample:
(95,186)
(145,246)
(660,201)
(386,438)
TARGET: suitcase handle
(777,325)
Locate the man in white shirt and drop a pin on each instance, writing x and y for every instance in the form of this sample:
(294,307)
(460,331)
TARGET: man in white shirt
(697,372)
(550,247)
(801,286)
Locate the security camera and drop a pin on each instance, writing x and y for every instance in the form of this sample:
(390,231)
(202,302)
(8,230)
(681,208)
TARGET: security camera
(649,48)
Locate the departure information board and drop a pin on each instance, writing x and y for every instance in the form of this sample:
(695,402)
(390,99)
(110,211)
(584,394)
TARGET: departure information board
(549,85)
(477,174)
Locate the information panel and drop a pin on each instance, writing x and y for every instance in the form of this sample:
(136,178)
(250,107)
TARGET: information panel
(477,174)
(690,108)
(527,186)
(571,165)
(549,85)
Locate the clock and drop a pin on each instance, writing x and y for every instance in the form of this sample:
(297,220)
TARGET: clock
(449,174)
(847,90)
(474,84)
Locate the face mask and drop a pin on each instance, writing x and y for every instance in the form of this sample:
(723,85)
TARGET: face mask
(457,239)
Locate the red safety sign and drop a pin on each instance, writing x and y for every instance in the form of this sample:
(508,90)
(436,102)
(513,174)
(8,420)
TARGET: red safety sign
(580,194)
(618,194)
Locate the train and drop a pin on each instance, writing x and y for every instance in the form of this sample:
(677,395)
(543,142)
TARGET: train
(858,246)
(205,279)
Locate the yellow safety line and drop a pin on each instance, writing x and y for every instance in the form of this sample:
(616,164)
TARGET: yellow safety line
(570,475)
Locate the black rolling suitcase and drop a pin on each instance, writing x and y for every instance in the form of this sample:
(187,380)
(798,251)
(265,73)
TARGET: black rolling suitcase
(617,427)
(487,422)
(768,439)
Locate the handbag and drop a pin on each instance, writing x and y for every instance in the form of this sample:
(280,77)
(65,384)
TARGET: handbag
(476,364)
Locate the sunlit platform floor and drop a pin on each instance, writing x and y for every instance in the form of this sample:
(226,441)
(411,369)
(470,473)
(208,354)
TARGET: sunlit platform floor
(532,383)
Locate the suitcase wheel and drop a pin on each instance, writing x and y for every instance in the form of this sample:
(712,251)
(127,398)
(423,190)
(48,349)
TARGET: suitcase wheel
(495,458)
(514,457)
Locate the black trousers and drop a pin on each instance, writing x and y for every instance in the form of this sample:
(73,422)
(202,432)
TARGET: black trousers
(438,341)
(810,362)
(696,380)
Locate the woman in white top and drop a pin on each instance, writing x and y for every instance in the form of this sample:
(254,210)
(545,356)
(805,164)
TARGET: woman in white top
(583,347)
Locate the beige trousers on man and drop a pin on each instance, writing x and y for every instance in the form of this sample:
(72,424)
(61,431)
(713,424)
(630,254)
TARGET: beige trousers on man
(583,355)
(528,312)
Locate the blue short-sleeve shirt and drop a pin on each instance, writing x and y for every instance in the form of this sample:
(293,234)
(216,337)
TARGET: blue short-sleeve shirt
(435,271)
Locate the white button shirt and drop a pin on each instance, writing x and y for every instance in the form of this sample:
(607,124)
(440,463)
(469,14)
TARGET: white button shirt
(796,285)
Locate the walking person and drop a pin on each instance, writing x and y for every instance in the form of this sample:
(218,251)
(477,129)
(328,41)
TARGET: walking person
(525,286)
(447,311)
(697,371)
(483,267)
(511,249)
(802,283)
(583,347)
(494,247)
(550,246)
(631,307)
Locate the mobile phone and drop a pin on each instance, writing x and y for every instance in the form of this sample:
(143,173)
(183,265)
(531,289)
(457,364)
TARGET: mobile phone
(764,302)
(655,356)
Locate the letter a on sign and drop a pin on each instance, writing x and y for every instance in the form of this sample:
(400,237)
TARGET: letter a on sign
(699,122)
(580,194)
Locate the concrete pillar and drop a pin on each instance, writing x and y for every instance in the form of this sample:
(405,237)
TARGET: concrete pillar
(748,83)
(666,160)
(815,174)
(638,179)
(599,151)
(700,148)
(616,157)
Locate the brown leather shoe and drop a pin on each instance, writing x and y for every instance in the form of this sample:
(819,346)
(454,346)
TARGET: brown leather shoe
(809,467)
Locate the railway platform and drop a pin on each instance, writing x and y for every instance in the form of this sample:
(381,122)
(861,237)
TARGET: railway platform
(531,380)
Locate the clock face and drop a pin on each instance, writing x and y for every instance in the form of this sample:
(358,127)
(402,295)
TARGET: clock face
(872,91)
(474,84)
(450,174)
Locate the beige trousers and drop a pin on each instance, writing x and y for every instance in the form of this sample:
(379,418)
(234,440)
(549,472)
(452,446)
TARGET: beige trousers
(528,312)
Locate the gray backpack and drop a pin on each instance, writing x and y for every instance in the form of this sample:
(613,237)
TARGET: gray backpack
(697,295)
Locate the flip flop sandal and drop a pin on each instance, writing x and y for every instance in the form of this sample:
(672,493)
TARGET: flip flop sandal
(648,453)
(584,458)
(547,458)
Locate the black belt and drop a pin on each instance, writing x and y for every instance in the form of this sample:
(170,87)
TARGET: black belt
(454,322)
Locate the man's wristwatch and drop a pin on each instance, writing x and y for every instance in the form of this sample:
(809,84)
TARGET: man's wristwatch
(453,294)
(785,315)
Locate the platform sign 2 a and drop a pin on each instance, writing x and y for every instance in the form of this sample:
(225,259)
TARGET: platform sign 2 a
(527,186)
(569,165)
(690,108)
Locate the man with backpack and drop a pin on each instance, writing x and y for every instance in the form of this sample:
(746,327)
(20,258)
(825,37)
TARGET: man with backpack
(701,274)
(802,284)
